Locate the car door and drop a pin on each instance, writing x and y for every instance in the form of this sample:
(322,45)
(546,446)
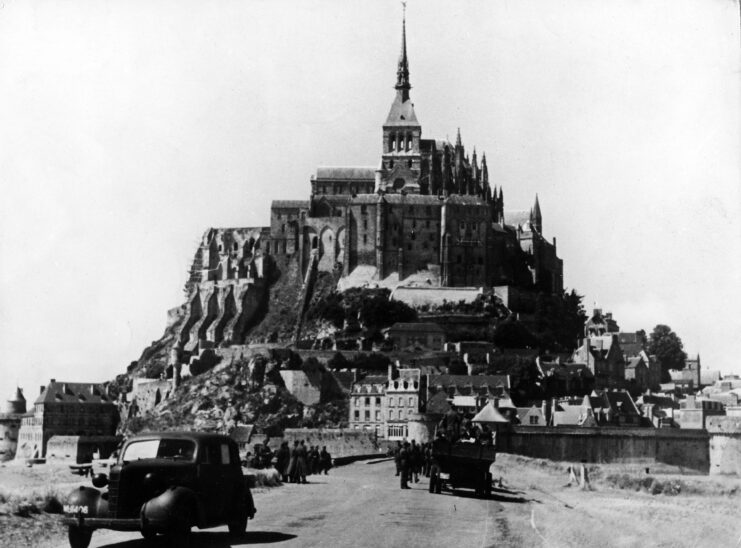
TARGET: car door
(212,481)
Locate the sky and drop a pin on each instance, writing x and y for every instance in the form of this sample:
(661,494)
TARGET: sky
(129,128)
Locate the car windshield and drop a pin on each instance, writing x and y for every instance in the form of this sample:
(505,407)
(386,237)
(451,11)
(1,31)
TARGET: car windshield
(160,449)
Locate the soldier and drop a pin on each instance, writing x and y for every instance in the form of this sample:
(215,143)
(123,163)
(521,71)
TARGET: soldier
(404,463)
(415,461)
(325,460)
(397,456)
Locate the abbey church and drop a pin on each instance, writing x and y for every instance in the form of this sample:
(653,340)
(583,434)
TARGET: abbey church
(426,212)
(426,206)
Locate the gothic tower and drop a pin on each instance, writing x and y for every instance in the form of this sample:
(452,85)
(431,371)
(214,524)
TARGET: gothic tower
(401,133)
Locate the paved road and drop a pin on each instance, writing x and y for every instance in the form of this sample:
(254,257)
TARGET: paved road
(361,505)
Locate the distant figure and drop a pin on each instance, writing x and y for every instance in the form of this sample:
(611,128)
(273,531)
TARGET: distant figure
(397,457)
(291,468)
(451,424)
(326,460)
(282,456)
(301,463)
(415,461)
(404,464)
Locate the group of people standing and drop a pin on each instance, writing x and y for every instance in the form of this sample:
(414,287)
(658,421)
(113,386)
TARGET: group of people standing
(412,460)
(297,462)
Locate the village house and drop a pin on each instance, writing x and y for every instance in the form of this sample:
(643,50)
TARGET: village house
(694,411)
(66,409)
(367,408)
(416,335)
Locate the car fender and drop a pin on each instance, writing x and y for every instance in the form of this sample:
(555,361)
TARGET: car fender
(166,508)
(86,502)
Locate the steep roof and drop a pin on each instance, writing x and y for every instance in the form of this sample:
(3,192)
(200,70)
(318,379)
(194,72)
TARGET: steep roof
(489,414)
(346,173)
(475,381)
(73,392)
(402,113)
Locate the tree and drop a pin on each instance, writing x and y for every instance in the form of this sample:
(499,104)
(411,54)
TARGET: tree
(666,345)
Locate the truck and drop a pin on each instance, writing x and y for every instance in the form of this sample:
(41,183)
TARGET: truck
(461,465)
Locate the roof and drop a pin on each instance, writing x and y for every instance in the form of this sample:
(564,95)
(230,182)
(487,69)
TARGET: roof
(616,401)
(464,401)
(412,199)
(346,173)
(373,379)
(288,204)
(465,200)
(475,381)
(489,414)
(517,217)
(523,412)
(438,404)
(401,113)
(634,362)
(416,327)
(185,435)
(570,415)
(73,392)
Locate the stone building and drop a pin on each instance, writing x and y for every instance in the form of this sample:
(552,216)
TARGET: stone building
(404,398)
(10,423)
(600,351)
(367,405)
(418,335)
(66,409)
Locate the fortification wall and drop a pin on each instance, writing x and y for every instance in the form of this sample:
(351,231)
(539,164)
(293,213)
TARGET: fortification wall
(725,445)
(687,449)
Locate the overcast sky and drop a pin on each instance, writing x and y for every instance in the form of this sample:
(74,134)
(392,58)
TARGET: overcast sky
(129,128)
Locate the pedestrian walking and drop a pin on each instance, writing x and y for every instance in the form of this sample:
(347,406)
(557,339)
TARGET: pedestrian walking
(404,464)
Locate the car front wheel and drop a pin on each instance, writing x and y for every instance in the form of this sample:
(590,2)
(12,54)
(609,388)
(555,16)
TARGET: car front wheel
(79,537)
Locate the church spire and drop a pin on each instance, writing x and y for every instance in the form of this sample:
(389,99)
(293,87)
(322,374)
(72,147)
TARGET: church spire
(402,72)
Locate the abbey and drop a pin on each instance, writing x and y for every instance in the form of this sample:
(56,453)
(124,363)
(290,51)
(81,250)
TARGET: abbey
(426,207)
(425,215)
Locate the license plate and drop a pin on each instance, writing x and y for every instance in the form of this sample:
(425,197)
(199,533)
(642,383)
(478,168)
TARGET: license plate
(444,476)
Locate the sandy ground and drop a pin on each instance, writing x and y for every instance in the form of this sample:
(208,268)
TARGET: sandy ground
(361,505)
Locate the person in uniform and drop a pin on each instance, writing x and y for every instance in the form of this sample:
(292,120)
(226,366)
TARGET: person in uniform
(325,460)
(282,456)
(404,464)
(397,457)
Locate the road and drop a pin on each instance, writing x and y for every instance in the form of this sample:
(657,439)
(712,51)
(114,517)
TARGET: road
(361,505)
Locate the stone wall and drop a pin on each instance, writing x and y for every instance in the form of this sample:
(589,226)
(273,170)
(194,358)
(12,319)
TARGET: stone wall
(725,445)
(80,449)
(339,442)
(687,449)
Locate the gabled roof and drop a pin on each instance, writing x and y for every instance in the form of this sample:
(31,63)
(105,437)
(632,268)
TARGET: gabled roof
(489,414)
(289,204)
(346,173)
(73,392)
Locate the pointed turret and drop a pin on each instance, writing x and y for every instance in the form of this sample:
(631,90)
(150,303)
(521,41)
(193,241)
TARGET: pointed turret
(536,219)
(402,71)
(458,142)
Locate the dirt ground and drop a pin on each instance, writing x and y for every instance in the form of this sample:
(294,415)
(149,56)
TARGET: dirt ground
(535,507)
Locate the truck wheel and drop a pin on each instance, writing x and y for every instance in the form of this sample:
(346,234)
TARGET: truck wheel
(79,537)
(180,536)
(238,526)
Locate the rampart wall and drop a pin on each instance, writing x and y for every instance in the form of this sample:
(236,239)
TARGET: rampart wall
(687,449)
(340,443)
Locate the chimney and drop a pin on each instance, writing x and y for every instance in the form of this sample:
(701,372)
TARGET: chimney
(41,389)
(53,380)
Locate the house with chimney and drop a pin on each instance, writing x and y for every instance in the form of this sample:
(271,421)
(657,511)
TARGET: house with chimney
(66,409)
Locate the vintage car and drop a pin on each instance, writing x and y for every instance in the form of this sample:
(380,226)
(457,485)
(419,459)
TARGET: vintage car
(165,483)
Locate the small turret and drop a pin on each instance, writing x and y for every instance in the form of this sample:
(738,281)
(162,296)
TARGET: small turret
(536,219)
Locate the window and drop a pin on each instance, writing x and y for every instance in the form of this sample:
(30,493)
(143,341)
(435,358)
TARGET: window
(365,224)
(283,228)
(411,401)
(367,414)
(225,454)
(363,208)
(378,416)
(357,415)
(378,401)
(367,401)
(533,419)
(365,239)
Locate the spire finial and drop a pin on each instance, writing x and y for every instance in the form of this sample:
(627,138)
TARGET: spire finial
(458,138)
(402,72)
